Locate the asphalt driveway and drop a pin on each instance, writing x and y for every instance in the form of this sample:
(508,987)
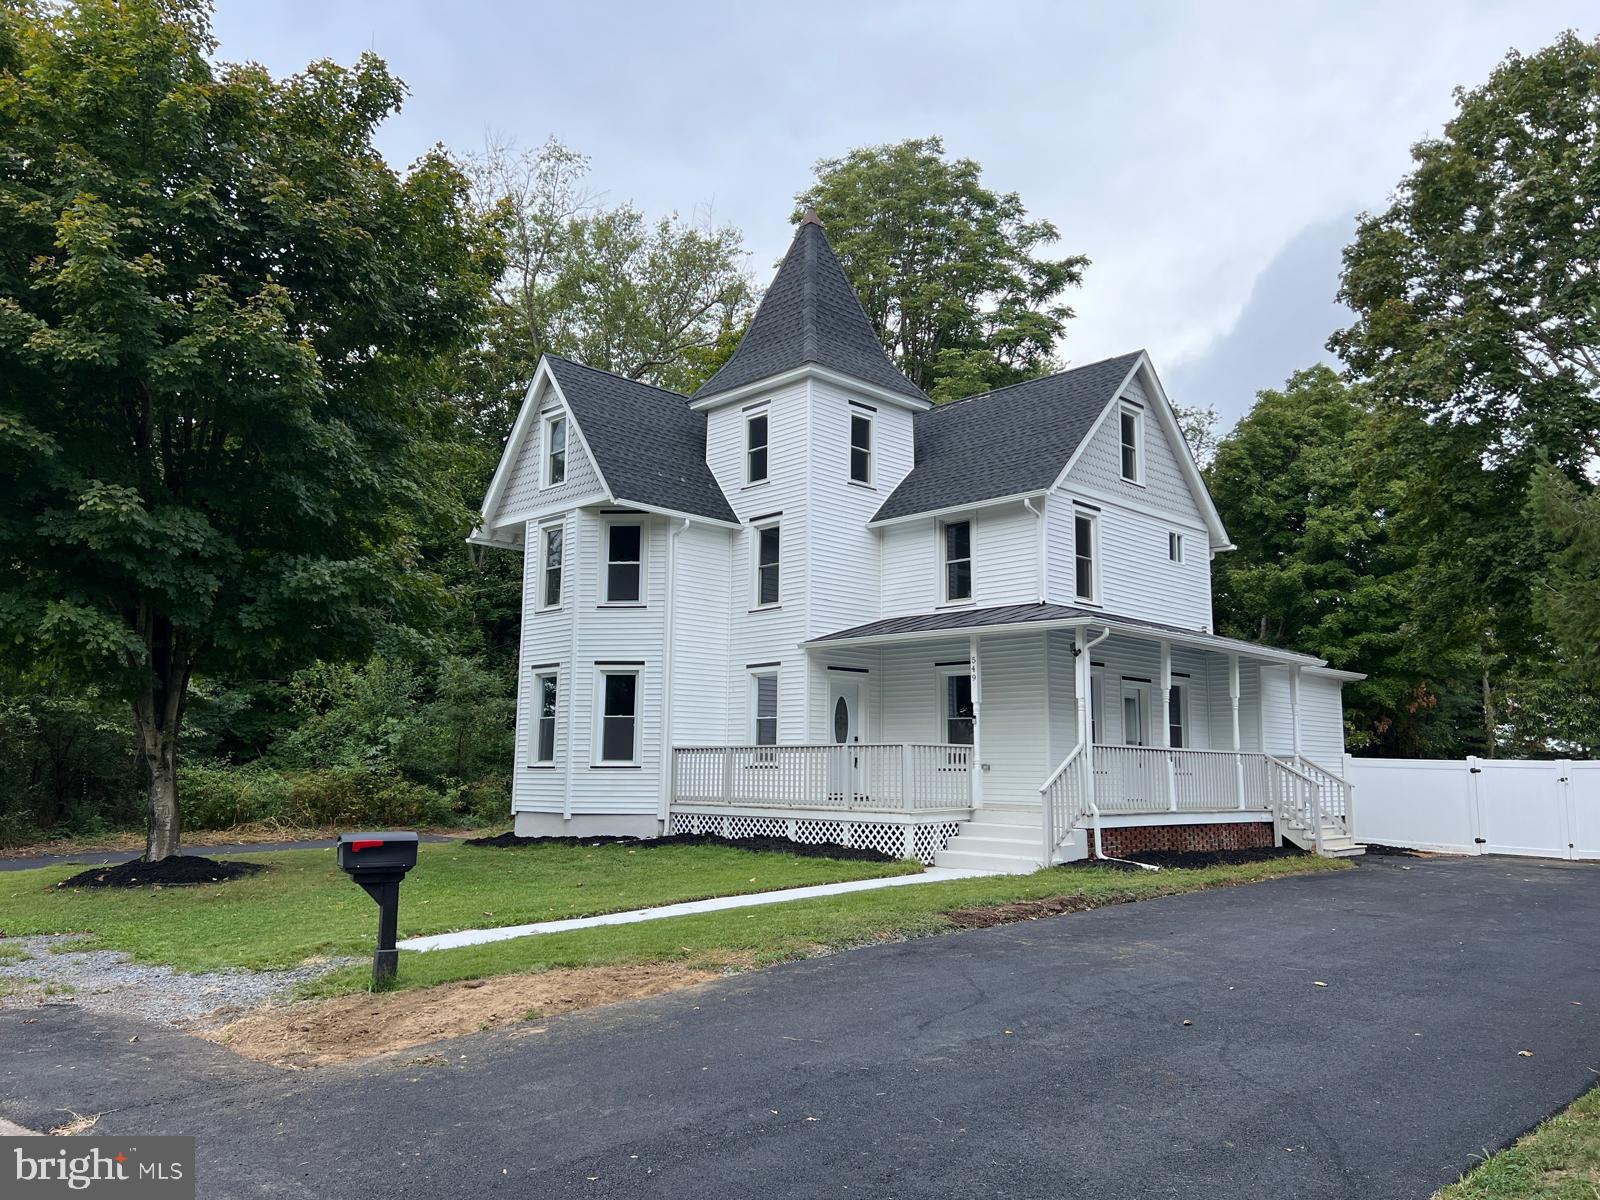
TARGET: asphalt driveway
(1045,1059)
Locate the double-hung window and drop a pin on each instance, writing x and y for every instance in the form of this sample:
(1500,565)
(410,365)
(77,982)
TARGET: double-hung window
(959,718)
(1177,726)
(956,537)
(769,554)
(555,449)
(1175,547)
(755,447)
(1085,538)
(860,448)
(764,698)
(624,563)
(1132,445)
(619,716)
(546,692)
(550,582)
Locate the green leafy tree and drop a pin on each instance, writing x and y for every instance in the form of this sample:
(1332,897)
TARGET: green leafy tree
(1568,597)
(948,271)
(1316,567)
(221,315)
(649,299)
(1478,332)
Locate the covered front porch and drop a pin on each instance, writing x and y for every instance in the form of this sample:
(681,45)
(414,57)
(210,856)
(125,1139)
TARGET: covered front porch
(1048,721)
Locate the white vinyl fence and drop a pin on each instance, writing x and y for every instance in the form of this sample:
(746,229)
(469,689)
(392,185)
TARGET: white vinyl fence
(1546,808)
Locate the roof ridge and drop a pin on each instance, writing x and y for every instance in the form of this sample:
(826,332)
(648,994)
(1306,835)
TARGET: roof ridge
(949,404)
(656,387)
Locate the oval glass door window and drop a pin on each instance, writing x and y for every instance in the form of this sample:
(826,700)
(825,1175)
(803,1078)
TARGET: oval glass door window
(841,721)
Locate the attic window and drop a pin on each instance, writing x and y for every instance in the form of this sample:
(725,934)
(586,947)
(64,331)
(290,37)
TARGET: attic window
(555,449)
(755,447)
(1175,547)
(1132,446)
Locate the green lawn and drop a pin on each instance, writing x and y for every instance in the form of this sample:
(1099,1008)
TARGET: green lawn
(773,933)
(1560,1160)
(304,906)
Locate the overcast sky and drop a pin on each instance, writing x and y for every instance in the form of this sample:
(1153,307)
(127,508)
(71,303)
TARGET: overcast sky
(1209,158)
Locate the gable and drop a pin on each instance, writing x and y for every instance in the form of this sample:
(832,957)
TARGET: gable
(1099,465)
(515,495)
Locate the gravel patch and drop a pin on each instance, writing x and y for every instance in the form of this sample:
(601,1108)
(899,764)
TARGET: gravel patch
(108,981)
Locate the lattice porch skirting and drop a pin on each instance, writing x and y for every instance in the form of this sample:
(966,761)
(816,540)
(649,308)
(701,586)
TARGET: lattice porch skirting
(916,837)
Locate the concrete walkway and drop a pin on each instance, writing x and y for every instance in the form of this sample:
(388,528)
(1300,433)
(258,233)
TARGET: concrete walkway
(477,937)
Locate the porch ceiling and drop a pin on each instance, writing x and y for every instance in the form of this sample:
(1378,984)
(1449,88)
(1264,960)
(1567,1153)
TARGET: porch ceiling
(1010,618)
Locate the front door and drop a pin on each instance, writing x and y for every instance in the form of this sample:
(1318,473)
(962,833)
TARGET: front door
(844,717)
(1140,779)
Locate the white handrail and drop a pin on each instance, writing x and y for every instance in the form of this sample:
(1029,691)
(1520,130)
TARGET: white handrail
(1306,807)
(1064,798)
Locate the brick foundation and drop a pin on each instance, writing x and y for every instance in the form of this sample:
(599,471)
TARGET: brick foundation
(1234,835)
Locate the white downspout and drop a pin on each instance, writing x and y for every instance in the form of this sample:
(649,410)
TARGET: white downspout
(667,757)
(1086,718)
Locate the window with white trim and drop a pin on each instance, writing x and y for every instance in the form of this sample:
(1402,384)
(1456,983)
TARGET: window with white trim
(555,449)
(1095,715)
(1178,716)
(755,447)
(1132,445)
(960,719)
(768,558)
(624,563)
(1175,547)
(546,693)
(955,538)
(552,546)
(764,707)
(860,448)
(1085,556)
(619,716)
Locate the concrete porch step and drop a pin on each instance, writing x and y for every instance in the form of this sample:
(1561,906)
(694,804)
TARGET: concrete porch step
(1000,864)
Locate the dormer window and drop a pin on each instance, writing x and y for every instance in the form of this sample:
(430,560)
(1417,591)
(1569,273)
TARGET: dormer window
(860,448)
(1132,445)
(555,449)
(957,539)
(755,447)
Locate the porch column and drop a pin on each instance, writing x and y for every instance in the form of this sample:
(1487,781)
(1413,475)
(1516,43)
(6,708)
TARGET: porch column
(976,667)
(1165,741)
(1082,698)
(1233,705)
(1294,705)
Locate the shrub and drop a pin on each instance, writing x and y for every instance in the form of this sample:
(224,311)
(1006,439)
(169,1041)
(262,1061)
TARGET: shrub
(214,797)
(356,796)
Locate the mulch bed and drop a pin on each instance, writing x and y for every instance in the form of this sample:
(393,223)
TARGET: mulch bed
(179,870)
(1193,859)
(756,845)
(1380,849)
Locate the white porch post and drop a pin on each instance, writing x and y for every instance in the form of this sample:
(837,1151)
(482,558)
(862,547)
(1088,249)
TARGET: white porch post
(1082,698)
(1233,706)
(1166,726)
(977,724)
(1294,705)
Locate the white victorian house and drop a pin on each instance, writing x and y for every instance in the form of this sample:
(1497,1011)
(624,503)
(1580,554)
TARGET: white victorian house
(807,602)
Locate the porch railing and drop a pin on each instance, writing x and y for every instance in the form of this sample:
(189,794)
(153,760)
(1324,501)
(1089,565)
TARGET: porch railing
(1295,798)
(1066,798)
(1333,792)
(859,776)
(1138,779)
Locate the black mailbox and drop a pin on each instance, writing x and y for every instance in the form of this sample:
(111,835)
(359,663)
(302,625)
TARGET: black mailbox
(378,862)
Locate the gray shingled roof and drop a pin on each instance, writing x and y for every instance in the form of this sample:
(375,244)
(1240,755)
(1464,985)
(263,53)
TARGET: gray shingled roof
(961,620)
(648,443)
(810,314)
(1004,443)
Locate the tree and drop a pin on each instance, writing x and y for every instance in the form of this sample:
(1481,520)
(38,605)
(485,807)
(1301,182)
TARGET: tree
(947,270)
(1199,428)
(1478,331)
(1316,568)
(1567,599)
(221,315)
(605,285)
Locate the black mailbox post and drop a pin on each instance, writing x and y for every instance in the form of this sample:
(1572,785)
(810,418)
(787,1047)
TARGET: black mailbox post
(378,862)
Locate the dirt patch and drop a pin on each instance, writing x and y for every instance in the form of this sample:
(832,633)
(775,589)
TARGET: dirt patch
(756,845)
(318,1032)
(987,916)
(179,870)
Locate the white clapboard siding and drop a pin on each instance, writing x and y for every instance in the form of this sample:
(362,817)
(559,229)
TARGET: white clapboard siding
(702,576)
(1005,560)
(546,644)
(844,588)
(1099,465)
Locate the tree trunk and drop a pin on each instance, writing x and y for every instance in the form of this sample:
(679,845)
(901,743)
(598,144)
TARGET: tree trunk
(157,714)
(1490,719)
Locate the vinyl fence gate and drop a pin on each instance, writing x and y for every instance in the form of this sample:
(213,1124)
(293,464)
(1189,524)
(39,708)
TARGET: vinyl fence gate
(1544,808)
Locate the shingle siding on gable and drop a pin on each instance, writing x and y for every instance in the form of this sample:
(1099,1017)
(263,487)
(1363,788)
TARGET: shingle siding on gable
(523,497)
(1165,486)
